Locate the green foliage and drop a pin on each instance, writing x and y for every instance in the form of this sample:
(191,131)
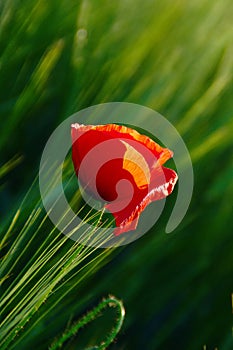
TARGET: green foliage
(57,57)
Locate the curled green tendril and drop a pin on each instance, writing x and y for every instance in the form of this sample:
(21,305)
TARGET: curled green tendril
(111,301)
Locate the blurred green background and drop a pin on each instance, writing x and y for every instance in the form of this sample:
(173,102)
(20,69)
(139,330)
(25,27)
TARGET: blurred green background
(176,57)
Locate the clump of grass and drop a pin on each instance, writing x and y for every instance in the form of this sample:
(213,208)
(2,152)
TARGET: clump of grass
(38,261)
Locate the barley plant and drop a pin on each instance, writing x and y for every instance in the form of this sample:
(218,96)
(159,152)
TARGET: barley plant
(58,57)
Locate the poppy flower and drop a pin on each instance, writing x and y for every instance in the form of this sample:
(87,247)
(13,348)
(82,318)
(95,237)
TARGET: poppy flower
(121,167)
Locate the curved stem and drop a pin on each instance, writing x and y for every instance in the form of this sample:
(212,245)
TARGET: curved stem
(111,301)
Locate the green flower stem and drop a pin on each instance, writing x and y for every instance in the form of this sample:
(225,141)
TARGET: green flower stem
(111,301)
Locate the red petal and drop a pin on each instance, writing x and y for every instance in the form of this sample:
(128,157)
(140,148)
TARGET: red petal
(109,131)
(138,161)
(163,182)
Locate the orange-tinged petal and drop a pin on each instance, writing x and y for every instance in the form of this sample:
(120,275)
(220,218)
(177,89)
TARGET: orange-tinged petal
(135,164)
(129,176)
